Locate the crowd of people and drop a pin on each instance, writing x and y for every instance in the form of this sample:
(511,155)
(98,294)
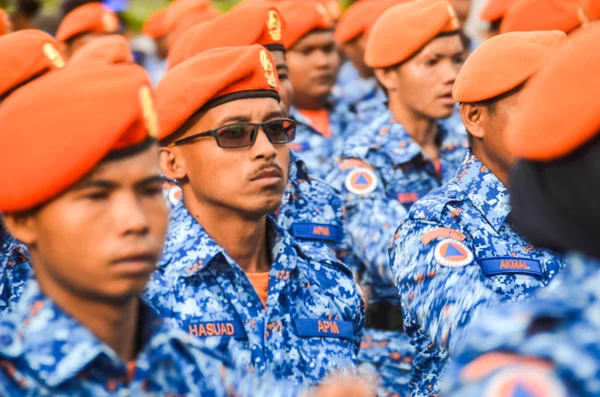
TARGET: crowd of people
(295,199)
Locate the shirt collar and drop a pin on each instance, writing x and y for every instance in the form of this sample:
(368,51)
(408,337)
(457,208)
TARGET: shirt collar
(484,190)
(59,348)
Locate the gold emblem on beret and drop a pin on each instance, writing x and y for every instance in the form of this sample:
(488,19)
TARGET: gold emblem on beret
(274,25)
(148,111)
(453,17)
(53,55)
(269,68)
(583,18)
(110,22)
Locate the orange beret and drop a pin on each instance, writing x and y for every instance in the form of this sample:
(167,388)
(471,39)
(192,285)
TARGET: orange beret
(88,18)
(560,110)
(257,24)
(107,50)
(178,9)
(27,54)
(5,23)
(189,21)
(504,62)
(306,16)
(42,140)
(359,17)
(212,78)
(528,15)
(591,9)
(495,10)
(333,7)
(154,27)
(406,28)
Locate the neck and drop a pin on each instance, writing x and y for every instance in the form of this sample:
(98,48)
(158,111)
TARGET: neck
(243,238)
(423,130)
(114,323)
(496,167)
(309,103)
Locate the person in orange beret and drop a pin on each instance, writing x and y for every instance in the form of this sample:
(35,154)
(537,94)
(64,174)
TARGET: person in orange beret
(107,50)
(493,13)
(28,55)
(229,275)
(84,24)
(461,235)
(314,61)
(529,15)
(154,28)
(549,346)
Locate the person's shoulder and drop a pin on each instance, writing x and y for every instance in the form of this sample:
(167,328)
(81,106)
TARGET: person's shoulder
(437,206)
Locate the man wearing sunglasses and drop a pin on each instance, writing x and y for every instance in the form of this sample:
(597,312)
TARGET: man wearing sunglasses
(229,275)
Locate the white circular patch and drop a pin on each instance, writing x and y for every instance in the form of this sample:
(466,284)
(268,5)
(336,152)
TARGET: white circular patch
(524,380)
(361,181)
(174,195)
(453,253)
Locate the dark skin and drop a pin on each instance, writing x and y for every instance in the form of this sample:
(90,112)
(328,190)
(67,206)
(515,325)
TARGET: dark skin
(354,50)
(314,63)
(110,227)
(286,90)
(486,124)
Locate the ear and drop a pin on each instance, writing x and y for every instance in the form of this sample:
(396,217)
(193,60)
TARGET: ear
(387,78)
(473,117)
(22,227)
(172,163)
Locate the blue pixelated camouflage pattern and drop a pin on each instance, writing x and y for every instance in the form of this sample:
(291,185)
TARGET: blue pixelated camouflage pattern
(46,352)
(351,89)
(317,151)
(15,270)
(404,175)
(439,301)
(199,283)
(560,328)
(390,354)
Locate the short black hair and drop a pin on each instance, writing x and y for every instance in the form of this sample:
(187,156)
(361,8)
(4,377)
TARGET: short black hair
(29,8)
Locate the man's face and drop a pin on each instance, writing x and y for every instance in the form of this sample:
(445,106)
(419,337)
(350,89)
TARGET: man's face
(286,90)
(102,238)
(355,52)
(463,10)
(248,181)
(496,119)
(313,63)
(424,82)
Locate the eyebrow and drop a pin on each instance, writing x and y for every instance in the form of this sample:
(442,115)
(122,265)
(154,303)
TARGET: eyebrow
(275,114)
(106,184)
(283,67)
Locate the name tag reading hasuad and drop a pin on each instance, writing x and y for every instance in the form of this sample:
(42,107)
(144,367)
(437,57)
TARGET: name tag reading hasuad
(218,328)
(510,265)
(308,327)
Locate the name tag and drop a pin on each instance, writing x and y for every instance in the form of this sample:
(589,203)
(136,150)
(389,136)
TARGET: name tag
(307,328)
(218,328)
(510,265)
(317,231)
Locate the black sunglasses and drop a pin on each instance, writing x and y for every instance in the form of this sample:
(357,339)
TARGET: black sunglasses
(240,135)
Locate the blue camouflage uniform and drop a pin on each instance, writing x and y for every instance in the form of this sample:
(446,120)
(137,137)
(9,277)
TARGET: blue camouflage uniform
(46,352)
(316,150)
(351,89)
(457,253)
(382,171)
(15,270)
(314,315)
(546,347)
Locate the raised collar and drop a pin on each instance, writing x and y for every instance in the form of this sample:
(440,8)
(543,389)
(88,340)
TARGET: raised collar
(484,190)
(58,348)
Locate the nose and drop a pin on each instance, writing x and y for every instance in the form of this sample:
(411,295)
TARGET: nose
(130,215)
(263,148)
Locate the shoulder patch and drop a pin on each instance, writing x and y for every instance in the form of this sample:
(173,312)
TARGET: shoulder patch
(453,253)
(442,232)
(361,181)
(524,380)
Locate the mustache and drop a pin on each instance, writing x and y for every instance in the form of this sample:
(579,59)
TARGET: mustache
(266,166)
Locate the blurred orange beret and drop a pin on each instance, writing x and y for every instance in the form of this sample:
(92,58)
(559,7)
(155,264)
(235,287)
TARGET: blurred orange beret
(504,62)
(333,7)
(213,78)
(305,16)
(88,18)
(406,28)
(5,23)
(189,21)
(107,50)
(528,15)
(27,54)
(154,27)
(560,110)
(42,140)
(178,9)
(591,9)
(359,17)
(495,10)
(257,24)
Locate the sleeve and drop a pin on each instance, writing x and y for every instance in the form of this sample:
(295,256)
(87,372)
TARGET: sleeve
(440,282)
